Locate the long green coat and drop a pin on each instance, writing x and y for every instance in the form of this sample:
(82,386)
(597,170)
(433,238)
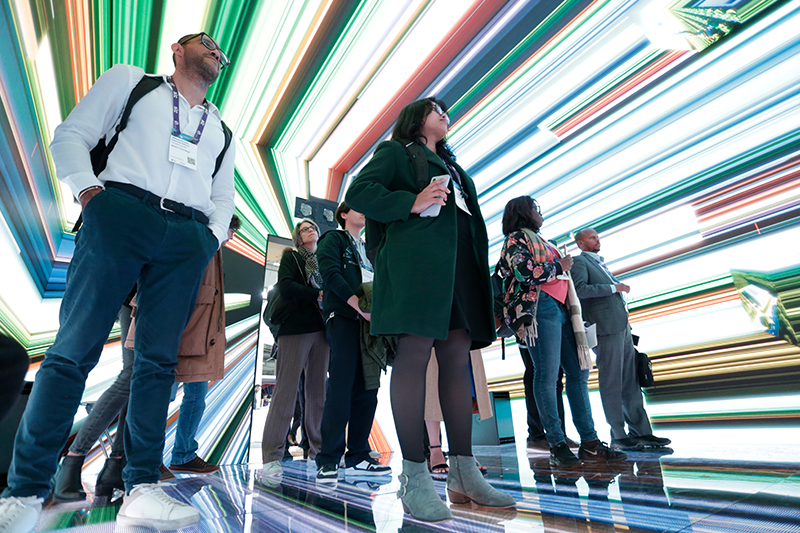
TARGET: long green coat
(415,264)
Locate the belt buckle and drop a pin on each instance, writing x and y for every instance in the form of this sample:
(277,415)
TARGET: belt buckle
(162,206)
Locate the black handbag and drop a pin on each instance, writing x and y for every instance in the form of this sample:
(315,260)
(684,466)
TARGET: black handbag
(644,369)
(279,308)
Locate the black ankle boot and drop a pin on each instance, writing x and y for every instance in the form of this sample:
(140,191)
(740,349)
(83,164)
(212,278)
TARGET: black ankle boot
(67,482)
(110,477)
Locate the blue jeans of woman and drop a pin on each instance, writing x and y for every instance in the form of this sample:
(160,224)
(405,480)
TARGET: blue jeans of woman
(555,346)
(192,408)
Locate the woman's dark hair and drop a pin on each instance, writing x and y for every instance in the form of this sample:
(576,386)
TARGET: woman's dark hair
(409,123)
(519,214)
(343,208)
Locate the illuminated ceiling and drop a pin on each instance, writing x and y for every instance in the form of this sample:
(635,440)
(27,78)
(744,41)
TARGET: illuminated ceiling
(671,127)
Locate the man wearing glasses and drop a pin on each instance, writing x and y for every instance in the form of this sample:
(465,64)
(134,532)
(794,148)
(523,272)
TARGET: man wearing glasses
(153,217)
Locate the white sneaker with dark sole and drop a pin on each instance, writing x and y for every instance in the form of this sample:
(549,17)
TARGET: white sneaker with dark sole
(368,467)
(19,515)
(148,505)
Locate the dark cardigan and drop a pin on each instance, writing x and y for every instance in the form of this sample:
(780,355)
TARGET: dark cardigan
(306,318)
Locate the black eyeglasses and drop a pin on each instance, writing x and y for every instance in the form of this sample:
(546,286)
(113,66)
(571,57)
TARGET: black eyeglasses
(209,43)
(441,112)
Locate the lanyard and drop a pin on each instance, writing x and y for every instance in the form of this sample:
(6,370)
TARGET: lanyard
(176,121)
(363,262)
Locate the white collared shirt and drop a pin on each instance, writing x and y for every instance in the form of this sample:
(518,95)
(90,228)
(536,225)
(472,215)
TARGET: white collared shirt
(140,156)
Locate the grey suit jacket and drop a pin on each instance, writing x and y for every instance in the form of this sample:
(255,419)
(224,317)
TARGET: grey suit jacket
(599,305)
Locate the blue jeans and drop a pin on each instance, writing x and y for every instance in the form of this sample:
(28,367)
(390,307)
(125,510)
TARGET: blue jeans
(555,346)
(192,407)
(123,240)
(111,403)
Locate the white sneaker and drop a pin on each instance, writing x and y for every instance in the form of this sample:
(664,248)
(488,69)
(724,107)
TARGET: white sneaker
(19,515)
(368,467)
(273,468)
(149,506)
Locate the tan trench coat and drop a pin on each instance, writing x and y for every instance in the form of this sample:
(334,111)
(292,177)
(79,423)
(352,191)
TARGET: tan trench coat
(433,410)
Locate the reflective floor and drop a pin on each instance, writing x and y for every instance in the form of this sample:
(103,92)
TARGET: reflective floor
(668,492)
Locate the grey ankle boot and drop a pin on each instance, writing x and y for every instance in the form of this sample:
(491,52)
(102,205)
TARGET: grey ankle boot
(465,483)
(418,494)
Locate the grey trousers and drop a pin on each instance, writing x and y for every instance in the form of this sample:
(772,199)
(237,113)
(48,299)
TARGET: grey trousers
(309,352)
(619,385)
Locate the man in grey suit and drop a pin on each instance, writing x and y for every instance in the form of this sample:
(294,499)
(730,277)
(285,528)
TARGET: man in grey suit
(603,303)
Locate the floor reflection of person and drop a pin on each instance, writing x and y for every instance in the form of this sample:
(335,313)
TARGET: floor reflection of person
(303,346)
(538,306)
(432,289)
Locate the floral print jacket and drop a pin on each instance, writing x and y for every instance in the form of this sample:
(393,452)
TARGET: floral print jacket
(522,277)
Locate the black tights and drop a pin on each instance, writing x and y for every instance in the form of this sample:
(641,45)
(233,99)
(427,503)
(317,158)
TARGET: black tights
(455,392)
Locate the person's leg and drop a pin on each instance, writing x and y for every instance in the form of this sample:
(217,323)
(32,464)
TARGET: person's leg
(408,408)
(408,394)
(632,398)
(560,398)
(344,358)
(316,369)
(104,267)
(363,403)
(438,462)
(546,355)
(67,484)
(14,361)
(287,373)
(465,483)
(165,298)
(577,383)
(189,417)
(455,390)
(535,427)
(609,375)
(301,399)
(111,402)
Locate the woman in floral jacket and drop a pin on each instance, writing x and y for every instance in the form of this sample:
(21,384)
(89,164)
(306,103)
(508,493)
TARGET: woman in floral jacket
(535,309)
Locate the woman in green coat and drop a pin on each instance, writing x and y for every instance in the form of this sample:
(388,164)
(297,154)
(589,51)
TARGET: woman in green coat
(432,289)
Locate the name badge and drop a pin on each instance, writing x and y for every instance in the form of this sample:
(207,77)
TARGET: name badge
(461,202)
(182,152)
(366,275)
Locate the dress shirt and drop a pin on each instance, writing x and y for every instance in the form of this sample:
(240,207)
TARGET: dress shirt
(141,155)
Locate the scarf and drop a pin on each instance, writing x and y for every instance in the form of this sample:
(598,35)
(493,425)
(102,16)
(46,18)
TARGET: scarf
(313,276)
(541,254)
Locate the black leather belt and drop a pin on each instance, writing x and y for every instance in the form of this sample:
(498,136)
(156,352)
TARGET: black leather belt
(163,203)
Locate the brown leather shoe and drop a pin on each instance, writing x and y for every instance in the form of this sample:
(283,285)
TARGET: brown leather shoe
(165,474)
(195,466)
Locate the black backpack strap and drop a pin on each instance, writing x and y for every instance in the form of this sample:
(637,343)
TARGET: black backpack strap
(420,161)
(145,85)
(228,136)
(99,154)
